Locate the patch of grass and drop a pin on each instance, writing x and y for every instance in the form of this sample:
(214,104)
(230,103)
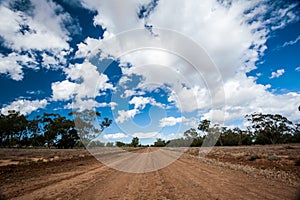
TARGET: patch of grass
(80,164)
(273,158)
(254,157)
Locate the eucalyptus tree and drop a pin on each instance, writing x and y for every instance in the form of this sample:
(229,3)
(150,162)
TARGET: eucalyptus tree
(269,128)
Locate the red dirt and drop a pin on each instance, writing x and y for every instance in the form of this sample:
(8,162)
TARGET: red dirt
(86,178)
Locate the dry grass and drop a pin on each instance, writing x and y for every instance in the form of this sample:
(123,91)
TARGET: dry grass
(279,162)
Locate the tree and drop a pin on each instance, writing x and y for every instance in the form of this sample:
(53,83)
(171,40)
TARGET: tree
(160,143)
(212,136)
(51,127)
(88,125)
(109,144)
(35,134)
(191,133)
(135,142)
(296,136)
(204,125)
(13,128)
(69,137)
(269,128)
(245,137)
(120,144)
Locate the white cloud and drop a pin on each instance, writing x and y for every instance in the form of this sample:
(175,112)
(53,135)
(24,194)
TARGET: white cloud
(169,136)
(84,83)
(45,30)
(233,35)
(24,106)
(115,136)
(116,16)
(63,90)
(171,121)
(89,104)
(277,74)
(297,69)
(139,104)
(124,115)
(292,42)
(46,27)
(143,135)
(88,46)
(12,65)
(92,81)
(245,96)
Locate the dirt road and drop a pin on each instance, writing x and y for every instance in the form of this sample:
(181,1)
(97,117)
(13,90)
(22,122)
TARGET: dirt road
(186,178)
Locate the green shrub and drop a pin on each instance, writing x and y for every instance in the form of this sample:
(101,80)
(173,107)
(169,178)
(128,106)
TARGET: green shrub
(273,158)
(254,157)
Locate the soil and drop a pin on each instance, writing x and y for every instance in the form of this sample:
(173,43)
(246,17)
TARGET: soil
(78,175)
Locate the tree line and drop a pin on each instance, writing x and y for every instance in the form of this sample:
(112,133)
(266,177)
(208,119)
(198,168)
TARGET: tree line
(54,130)
(263,129)
(50,130)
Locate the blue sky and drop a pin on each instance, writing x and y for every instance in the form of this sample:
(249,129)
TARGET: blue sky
(154,71)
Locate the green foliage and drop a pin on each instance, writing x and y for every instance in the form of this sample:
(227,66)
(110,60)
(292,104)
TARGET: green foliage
(120,144)
(88,124)
(135,142)
(16,130)
(254,157)
(269,128)
(160,143)
(273,158)
(204,125)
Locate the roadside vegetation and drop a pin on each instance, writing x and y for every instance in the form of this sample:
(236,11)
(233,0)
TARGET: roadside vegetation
(56,131)
(50,130)
(263,129)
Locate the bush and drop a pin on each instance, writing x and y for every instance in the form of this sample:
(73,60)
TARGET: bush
(254,157)
(273,158)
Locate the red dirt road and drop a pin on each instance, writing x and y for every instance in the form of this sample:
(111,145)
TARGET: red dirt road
(186,178)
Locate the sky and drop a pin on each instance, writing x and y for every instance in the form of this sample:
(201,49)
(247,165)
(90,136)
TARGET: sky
(155,67)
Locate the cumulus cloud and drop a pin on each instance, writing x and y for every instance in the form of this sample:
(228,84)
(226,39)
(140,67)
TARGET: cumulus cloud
(24,106)
(42,30)
(63,90)
(144,135)
(84,83)
(297,69)
(13,63)
(124,115)
(207,23)
(116,16)
(89,104)
(115,136)
(171,121)
(277,74)
(139,104)
(39,27)
(92,81)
